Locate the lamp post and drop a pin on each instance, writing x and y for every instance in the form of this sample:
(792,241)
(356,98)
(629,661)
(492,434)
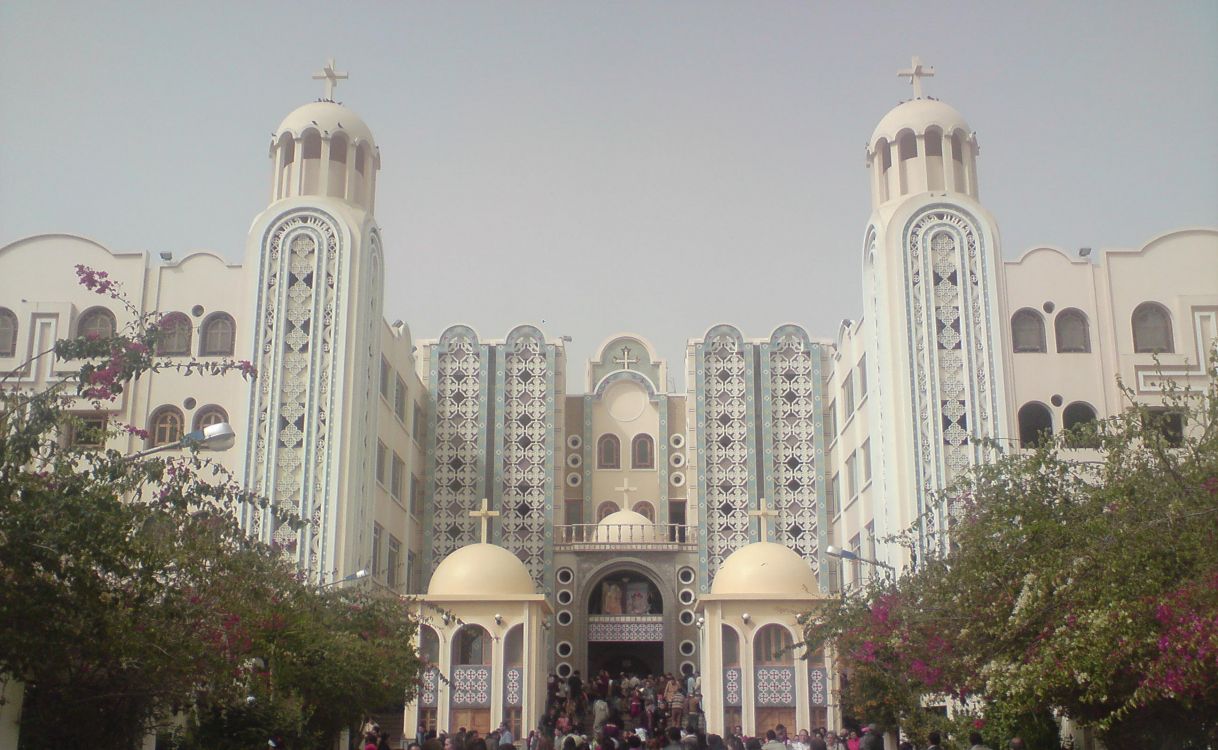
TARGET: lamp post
(362,573)
(843,554)
(214,437)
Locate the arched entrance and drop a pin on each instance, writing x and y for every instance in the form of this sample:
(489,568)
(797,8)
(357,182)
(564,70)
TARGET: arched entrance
(625,624)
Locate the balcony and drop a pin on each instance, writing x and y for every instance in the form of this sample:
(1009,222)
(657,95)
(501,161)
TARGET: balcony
(654,537)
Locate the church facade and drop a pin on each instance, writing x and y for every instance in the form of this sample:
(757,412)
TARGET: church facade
(656,530)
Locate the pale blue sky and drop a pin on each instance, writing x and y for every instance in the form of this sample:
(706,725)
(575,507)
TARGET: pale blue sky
(649,166)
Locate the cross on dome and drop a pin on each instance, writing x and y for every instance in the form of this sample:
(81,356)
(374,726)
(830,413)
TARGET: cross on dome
(625,489)
(762,514)
(624,359)
(484,516)
(915,73)
(331,77)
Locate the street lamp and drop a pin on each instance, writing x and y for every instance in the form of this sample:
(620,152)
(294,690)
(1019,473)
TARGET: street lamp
(361,573)
(214,437)
(844,554)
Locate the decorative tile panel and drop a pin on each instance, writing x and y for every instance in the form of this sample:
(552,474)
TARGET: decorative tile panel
(471,687)
(429,694)
(513,680)
(731,686)
(793,416)
(818,686)
(626,629)
(774,686)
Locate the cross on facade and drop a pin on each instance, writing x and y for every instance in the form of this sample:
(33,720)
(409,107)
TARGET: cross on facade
(624,360)
(915,73)
(762,514)
(625,489)
(331,77)
(484,516)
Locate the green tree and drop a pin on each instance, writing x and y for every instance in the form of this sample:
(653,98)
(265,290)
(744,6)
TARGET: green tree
(1079,580)
(129,595)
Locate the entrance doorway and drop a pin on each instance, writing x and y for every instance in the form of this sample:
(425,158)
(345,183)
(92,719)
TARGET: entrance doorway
(637,657)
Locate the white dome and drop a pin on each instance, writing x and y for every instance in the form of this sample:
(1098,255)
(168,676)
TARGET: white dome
(918,115)
(628,526)
(326,117)
(764,569)
(486,570)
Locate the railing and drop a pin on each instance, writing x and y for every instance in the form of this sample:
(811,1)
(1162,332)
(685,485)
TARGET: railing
(643,535)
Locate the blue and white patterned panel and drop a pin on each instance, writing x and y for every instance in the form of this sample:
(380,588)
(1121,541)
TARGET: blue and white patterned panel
(429,694)
(626,631)
(731,686)
(774,686)
(513,681)
(818,686)
(792,423)
(471,687)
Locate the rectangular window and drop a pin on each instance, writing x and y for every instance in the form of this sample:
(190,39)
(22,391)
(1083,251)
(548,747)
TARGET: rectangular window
(1168,423)
(378,535)
(830,425)
(861,383)
(416,496)
(88,432)
(848,396)
(856,566)
(392,563)
(399,401)
(852,476)
(866,451)
(382,462)
(398,478)
(416,423)
(386,373)
(833,500)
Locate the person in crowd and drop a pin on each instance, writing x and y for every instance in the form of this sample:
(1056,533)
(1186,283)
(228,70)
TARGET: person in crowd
(772,742)
(1016,743)
(933,739)
(976,742)
(852,741)
(872,739)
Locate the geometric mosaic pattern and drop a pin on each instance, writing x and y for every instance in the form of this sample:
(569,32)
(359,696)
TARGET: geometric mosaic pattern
(775,686)
(817,684)
(793,426)
(428,696)
(471,686)
(526,443)
(626,631)
(512,681)
(950,335)
(731,686)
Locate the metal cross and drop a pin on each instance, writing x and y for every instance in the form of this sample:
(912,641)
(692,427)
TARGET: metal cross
(915,74)
(331,77)
(485,517)
(761,515)
(625,361)
(625,489)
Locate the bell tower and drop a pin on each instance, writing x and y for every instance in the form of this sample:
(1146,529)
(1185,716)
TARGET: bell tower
(933,284)
(317,307)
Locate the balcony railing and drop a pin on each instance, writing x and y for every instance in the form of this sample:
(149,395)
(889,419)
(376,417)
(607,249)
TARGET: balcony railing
(654,536)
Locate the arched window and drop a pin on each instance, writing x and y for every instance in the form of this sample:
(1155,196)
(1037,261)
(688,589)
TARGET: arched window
(429,645)
(1152,328)
(471,645)
(731,646)
(1076,416)
(1028,331)
(881,148)
(216,335)
(165,426)
(210,415)
(907,145)
(97,323)
(772,647)
(958,147)
(605,509)
(645,509)
(1070,330)
(608,452)
(1035,424)
(8,332)
(173,338)
(361,157)
(338,148)
(513,647)
(310,147)
(287,144)
(933,141)
(642,452)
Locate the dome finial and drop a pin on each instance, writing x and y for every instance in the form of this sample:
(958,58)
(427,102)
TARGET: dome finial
(915,73)
(331,77)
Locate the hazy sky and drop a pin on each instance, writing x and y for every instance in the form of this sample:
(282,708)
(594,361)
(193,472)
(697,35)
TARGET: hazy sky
(595,167)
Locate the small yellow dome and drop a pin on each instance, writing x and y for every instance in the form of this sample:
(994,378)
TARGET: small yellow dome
(764,569)
(486,570)
(327,118)
(627,526)
(918,115)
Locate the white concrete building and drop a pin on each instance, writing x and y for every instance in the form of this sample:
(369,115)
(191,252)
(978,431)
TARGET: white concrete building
(626,503)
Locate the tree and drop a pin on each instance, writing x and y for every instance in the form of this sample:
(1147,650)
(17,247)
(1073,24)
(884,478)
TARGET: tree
(1079,583)
(129,594)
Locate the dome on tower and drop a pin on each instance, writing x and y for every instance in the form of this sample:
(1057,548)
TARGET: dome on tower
(327,118)
(485,570)
(628,526)
(765,569)
(918,115)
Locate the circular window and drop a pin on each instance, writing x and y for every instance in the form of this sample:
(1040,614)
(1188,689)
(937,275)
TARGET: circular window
(564,596)
(687,668)
(564,617)
(575,442)
(1056,400)
(686,648)
(575,460)
(189,403)
(575,479)
(564,649)
(686,575)
(564,670)
(1048,307)
(676,440)
(686,617)
(565,575)
(197,311)
(686,596)
(677,460)
(677,479)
